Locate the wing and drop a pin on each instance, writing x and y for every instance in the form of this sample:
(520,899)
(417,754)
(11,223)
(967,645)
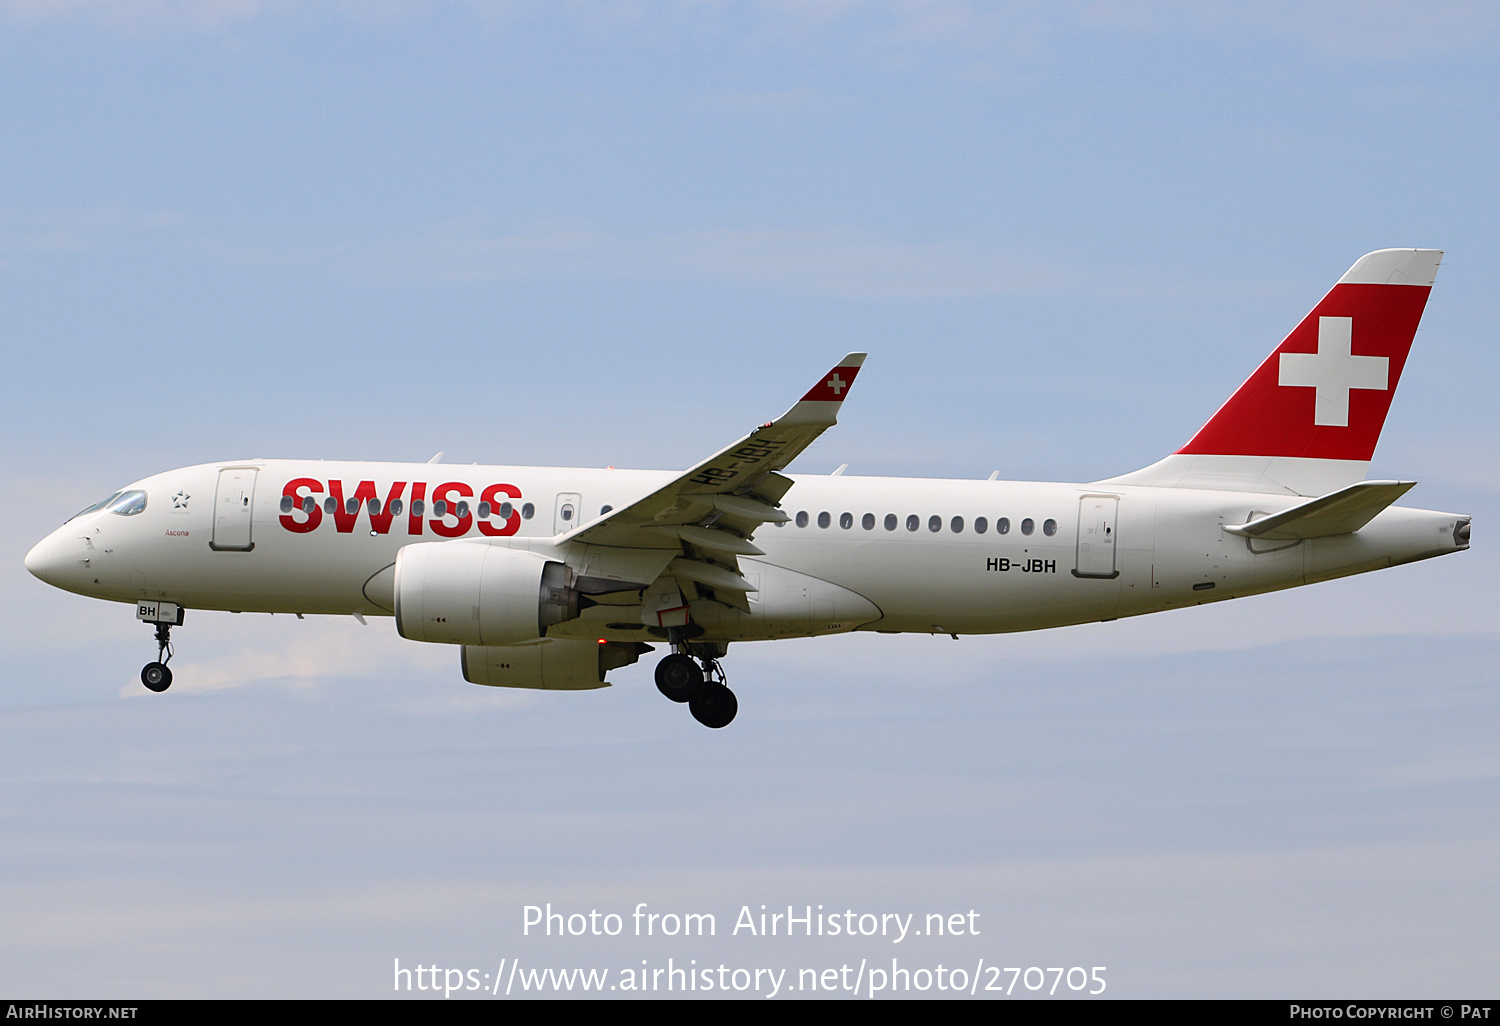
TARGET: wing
(710,512)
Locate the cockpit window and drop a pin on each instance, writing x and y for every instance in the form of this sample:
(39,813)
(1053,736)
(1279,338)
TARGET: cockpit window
(126,503)
(96,507)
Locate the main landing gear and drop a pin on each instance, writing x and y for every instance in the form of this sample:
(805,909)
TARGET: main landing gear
(163,616)
(693,675)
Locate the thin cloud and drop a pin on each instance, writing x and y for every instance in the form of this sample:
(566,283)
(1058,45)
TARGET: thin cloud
(323,650)
(72,230)
(138,15)
(968,38)
(832,261)
(768,101)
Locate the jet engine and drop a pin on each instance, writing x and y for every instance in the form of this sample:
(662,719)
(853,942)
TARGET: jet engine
(470,593)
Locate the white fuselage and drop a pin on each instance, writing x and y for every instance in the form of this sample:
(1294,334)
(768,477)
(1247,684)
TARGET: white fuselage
(1112,551)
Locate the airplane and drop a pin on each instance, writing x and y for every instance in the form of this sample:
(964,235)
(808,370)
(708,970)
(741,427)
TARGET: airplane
(552,577)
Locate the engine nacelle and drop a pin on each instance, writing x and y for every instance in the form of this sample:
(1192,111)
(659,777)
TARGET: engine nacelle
(471,593)
(558,664)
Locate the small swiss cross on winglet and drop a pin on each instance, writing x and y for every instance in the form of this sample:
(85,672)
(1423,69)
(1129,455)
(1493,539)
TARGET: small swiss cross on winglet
(835,384)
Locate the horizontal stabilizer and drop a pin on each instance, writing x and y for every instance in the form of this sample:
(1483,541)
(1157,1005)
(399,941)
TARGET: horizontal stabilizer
(1342,512)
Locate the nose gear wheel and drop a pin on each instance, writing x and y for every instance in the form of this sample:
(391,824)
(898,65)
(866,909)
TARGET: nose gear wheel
(155,675)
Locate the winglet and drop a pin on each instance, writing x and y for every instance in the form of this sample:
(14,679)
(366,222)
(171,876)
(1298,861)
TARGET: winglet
(821,403)
(738,481)
(837,381)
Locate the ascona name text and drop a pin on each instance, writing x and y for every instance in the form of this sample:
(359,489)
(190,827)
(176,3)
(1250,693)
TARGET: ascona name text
(794,922)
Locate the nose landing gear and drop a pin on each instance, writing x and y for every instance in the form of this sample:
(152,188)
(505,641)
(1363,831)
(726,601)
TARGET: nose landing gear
(163,616)
(693,675)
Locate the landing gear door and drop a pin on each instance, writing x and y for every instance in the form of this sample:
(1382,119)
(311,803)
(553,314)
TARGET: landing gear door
(234,500)
(1097,515)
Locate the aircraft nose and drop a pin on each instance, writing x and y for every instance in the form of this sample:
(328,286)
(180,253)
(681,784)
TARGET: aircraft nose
(37,559)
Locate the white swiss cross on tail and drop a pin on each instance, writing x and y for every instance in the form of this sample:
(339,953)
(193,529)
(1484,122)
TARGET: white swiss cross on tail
(1334,371)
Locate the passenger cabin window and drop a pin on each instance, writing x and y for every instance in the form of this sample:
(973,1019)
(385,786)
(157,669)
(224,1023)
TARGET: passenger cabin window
(891,521)
(868,522)
(330,505)
(824,519)
(418,507)
(528,511)
(1049,528)
(567,512)
(981,525)
(1002,526)
(802,518)
(934,524)
(1028,525)
(394,509)
(286,504)
(484,511)
(846,520)
(913,522)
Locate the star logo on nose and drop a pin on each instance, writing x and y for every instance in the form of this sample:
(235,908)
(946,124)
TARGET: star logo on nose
(180,500)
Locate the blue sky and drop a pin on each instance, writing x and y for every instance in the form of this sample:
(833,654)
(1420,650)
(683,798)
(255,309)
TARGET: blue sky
(619,233)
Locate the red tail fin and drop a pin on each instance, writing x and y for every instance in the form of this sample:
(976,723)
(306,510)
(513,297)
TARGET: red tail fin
(1325,391)
(1306,422)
